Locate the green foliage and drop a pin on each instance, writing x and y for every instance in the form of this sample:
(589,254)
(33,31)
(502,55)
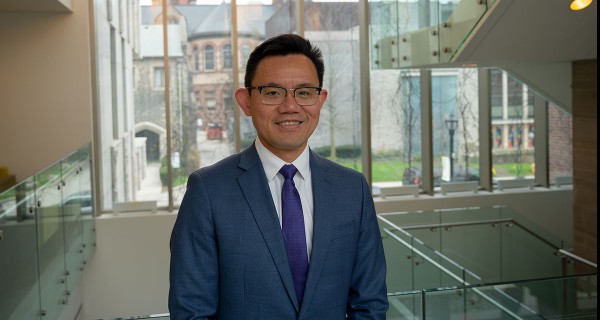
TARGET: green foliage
(347,151)
(179,174)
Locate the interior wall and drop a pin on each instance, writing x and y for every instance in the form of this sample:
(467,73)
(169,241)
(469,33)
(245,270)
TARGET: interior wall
(129,273)
(551,209)
(45,87)
(585,159)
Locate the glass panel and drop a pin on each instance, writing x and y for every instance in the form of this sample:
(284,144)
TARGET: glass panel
(514,131)
(149,141)
(457,18)
(72,226)
(534,228)
(408,219)
(446,304)
(398,260)
(558,298)
(560,142)
(77,200)
(526,257)
(50,236)
(19,292)
(88,228)
(418,43)
(396,127)
(455,118)
(430,268)
(333,28)
(476,248)
(184,121)
(405,306)
(384,30)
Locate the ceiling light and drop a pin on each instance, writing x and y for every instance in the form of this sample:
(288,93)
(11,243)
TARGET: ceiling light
(580,4)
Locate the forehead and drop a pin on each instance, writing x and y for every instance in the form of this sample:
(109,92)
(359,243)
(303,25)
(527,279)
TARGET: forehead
(295,68)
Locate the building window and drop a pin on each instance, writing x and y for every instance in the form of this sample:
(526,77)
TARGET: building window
(196,57)
(209,58)
(210,100)
(227,62)
(159,77)
(245,53)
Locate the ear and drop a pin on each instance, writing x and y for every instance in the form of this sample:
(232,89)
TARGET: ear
(323,96)
(242,96)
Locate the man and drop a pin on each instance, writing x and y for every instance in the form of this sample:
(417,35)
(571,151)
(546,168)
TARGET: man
(250,243)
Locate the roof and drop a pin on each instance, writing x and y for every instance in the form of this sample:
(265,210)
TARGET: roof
(215,19)
(151,41)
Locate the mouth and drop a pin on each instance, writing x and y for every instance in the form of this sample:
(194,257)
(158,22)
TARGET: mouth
(289,123)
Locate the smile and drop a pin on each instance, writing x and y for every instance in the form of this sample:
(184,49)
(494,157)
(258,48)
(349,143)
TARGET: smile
(289,123)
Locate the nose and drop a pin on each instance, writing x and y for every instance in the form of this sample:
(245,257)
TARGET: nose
(289,104)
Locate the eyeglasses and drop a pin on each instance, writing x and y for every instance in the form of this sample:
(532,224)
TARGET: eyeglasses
(272,95)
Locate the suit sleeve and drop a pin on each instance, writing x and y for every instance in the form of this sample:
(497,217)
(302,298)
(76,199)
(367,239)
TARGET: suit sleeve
(194,275)
(368,293)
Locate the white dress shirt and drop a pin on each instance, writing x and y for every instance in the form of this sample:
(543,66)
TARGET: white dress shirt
(272,164)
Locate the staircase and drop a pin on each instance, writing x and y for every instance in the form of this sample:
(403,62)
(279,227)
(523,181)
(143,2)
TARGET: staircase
(520,37)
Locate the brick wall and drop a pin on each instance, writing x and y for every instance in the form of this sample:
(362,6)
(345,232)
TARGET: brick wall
(585,142)
(560,143)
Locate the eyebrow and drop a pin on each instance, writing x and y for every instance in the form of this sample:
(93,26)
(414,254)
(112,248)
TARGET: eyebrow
(301,85)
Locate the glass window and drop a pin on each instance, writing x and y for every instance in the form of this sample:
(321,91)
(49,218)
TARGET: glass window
(227,60)
(455,125)
(513,134)
(209,58)
(497,94)
(332,27)
(196,57)
(396,127)
(201,100)
(256,23)
(159,77)
(210,100)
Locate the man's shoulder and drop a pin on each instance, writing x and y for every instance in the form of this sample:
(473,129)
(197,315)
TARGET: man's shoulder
(222,167)
(230,165)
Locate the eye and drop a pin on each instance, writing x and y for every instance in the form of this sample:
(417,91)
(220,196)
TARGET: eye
(272,91)
(305,92)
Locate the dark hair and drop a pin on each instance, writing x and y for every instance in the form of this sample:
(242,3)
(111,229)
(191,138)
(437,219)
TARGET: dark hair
(283,45)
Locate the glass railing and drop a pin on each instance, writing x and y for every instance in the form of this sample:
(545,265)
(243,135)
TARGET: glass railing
(481,263)
(47,235)
(408,34)
(492,244)
(572,297)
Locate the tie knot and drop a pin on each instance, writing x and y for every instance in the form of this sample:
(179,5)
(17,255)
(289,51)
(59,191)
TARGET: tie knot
(288,171)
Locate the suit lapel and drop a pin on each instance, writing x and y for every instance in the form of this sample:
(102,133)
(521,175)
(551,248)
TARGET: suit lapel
(324,209)
(256,191)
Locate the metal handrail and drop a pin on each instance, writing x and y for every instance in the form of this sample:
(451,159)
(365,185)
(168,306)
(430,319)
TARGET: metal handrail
(578,258)
(449,273)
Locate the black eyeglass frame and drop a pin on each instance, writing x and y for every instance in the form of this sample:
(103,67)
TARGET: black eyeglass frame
(259,88)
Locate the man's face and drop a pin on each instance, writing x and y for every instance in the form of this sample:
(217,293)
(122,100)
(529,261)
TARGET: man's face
(284,129)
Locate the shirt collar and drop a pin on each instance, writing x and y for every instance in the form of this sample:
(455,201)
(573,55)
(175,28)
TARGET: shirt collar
(271,163)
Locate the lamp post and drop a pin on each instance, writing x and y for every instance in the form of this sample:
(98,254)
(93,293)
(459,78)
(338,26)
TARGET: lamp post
(451,123)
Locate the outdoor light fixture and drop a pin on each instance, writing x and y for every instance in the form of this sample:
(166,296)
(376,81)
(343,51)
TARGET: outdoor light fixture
(580,4)
(452,124)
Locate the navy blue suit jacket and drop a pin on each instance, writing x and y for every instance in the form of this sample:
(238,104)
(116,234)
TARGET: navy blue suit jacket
(228,258)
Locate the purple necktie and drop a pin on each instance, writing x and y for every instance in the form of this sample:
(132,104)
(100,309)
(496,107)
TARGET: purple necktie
(292,225)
